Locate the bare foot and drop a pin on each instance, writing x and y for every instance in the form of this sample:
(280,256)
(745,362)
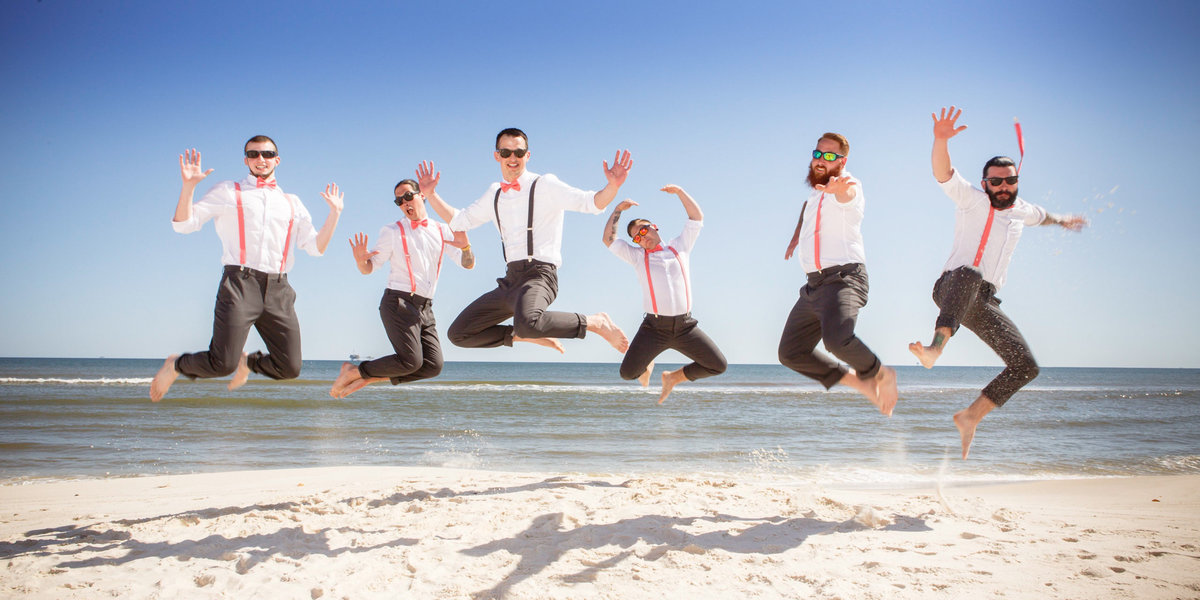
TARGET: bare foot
(926,354)
(552,343)
(240,375)
(644,378)
(359,384)
(968,419)
(866,387)
(347,375)
(603,326)
(669,380)
(163,379)
(966,430)
(886,391)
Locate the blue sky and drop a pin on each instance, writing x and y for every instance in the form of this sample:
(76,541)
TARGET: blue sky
(725,100)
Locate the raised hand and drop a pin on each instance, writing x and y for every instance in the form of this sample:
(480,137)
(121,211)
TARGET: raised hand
(189,167)
(671,189)
(836,185)
(427,178)
(625,205)
(358,245)
(1074,222)
(333,197)
(459,241)
(791,249)
(622,163)
(943,125)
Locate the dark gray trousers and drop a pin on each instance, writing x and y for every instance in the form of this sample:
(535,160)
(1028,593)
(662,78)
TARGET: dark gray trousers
(680,332)
(408,321)
(828,310)
(964,298)
(524,293)
(248,298)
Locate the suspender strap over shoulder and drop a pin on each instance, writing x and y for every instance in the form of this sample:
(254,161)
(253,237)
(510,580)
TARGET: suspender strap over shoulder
(987,232)
(241,213)
(241,225)
(412,282)
(528,226)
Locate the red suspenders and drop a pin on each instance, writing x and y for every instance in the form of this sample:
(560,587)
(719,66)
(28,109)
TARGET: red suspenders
(412,281)
(287,243)
(987,231)
(650,280)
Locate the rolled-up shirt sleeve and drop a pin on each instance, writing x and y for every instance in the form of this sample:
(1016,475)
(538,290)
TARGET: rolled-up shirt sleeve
(479,212)
(625,251)
(212,204)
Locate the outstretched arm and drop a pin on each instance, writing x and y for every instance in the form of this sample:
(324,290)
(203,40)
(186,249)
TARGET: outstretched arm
(428,179)
(943,130)
(843,188)
(334,199)
(615,175)
(689,204)
(610,227)
(362,258)
(192,174)
(1071,222)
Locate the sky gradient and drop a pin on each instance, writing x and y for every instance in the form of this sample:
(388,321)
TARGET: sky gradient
(101,98)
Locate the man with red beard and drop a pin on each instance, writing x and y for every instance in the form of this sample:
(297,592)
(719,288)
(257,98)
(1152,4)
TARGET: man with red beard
(416,247)
(987,227)
(829,237)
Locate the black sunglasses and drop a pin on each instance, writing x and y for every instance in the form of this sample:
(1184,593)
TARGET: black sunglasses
(999,180)
(405,197)
(263,153)
(520,152)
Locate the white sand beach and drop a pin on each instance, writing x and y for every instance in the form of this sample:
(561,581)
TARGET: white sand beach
(399,532)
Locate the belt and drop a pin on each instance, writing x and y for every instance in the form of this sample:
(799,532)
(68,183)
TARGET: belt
(410,297)
(664,318)
(526,263)
(248,272)
(836,269)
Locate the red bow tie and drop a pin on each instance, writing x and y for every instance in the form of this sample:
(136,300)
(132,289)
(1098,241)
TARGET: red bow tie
(506,186)
(421,223)
(263,183)
(657,248)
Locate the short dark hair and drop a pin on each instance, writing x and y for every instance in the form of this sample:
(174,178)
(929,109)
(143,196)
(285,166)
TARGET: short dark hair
(414,185)
(842,142)
(513,132)
(632,222)
(997,161)
(258,139)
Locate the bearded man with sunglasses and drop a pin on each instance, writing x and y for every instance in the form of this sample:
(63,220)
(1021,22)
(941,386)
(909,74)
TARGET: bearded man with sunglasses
(528,210)
(416,248)
(987,227)
(666,297)
(829,237)
(259,225)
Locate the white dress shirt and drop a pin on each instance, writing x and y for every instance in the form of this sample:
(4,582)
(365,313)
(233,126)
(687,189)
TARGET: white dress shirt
(970,221)
(840,241)
(664,275)
(427,246)
(267,214)
(552,199)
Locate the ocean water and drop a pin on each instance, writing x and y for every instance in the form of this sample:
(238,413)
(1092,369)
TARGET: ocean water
(64,418)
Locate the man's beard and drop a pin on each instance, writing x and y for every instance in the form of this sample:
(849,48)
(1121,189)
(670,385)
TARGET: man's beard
(999,204)
(814,179)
